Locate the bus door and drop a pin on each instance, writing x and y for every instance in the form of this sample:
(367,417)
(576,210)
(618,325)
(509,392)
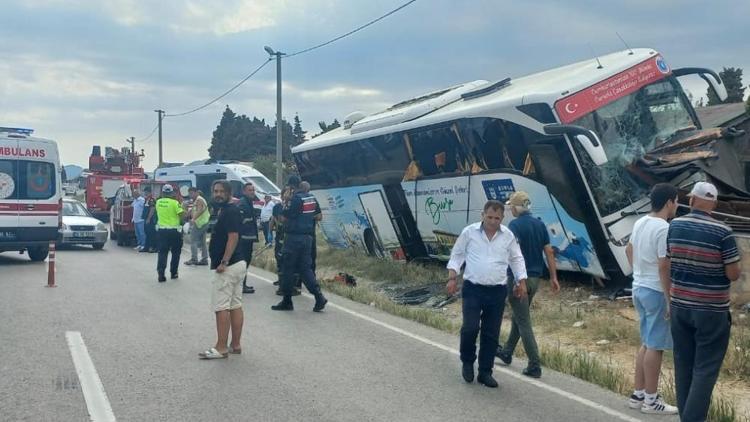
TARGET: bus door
(382,239)
(554,164)
(406,227)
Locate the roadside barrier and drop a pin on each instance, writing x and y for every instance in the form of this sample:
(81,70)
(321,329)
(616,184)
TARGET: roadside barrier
(51,266)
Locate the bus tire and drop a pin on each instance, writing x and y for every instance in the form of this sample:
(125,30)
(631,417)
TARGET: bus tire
(373,246)
(38,253)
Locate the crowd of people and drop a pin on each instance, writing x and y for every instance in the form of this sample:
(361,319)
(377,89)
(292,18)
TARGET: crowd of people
(682,270)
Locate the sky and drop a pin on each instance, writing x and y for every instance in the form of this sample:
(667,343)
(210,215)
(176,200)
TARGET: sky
(92,72)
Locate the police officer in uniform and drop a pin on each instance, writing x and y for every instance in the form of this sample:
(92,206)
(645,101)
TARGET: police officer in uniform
(169,226)
(299,220)
(249,228)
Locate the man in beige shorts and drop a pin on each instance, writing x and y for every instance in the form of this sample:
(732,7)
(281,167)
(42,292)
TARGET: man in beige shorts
(227,260)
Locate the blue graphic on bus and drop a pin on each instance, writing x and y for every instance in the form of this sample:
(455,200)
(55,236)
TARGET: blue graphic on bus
(498,189)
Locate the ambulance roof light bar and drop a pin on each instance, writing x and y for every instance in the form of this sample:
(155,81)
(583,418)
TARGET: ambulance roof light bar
(17,130)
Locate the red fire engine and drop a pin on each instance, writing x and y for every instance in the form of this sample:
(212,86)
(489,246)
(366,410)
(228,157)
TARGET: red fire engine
(106,174)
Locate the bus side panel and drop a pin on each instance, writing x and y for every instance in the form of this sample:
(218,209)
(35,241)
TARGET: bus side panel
(569,238)
(345,223)
(440,209)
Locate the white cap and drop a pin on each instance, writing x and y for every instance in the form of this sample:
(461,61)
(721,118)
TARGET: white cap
(167,189)
(705,190)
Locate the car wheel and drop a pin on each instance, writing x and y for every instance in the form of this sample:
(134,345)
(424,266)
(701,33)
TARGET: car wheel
(98,246)
(38,254)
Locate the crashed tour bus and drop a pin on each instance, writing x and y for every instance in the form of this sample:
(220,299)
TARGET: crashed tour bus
(30,193)
(586,141)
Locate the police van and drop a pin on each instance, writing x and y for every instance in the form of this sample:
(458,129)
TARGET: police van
(30,192)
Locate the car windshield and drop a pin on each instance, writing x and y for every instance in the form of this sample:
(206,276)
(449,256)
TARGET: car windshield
(74,209)
(628,128)
(262,185)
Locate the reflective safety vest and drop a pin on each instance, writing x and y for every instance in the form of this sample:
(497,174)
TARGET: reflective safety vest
(168,211)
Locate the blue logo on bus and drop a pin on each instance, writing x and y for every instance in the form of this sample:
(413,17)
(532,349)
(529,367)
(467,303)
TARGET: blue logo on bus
(499,189)
(662,65)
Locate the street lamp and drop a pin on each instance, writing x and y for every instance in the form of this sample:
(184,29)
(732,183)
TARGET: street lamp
(277,55)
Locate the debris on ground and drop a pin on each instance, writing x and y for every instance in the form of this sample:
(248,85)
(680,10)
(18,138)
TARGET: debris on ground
(579,324)
(345,278)
(602,342)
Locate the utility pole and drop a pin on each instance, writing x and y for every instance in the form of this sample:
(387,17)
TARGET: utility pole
(279,164)
(161,117)
(133,155)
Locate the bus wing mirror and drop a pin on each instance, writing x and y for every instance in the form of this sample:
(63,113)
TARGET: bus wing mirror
(587,138)
(712,79)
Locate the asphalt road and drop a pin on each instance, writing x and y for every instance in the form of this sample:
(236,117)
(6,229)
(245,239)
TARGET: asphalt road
(350,363)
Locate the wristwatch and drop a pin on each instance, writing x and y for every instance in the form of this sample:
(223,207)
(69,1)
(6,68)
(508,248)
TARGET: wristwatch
(224,262)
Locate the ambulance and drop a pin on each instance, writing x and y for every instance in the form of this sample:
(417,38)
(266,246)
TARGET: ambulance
(30,193)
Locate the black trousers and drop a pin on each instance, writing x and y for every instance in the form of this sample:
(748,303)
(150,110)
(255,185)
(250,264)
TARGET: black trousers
(247,248)
(482,312)
(170,240)
(700,343)
(296,258)
(151,237)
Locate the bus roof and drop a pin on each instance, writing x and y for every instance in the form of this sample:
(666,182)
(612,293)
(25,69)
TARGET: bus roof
(545,87)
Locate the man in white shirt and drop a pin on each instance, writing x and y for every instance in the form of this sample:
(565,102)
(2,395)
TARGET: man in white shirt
(138,222)
(265,218)
(647,253)
(487,248)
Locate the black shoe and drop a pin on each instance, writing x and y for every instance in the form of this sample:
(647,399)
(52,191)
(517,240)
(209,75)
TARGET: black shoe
(152,251)
(162,279)
(173,276)
(276,283)
(320,303)
(505,357)
(295,292)
(487,380)
(533,372)
(248,289)
(191,262)
(202,262)
(283,306)
(467,371)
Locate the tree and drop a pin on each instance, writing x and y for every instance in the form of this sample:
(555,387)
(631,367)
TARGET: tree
(299,134)
(326,127)
(244,139)
(732,79)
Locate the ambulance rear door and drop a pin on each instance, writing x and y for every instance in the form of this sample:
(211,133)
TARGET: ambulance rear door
(8,190)
(39,194)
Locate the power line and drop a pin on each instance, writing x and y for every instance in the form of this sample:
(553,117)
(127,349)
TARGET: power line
(352,31)
(149,135)
(237,85)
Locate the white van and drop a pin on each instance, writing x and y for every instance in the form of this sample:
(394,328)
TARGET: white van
(202,175)
(30,192)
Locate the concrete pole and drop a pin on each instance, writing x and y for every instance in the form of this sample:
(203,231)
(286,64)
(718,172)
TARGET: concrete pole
(279,164)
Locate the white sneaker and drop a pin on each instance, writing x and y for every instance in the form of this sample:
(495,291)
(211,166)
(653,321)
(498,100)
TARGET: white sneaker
(658,407)
(635,402)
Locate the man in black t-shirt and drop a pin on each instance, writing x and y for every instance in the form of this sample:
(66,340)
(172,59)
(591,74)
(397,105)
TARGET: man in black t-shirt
(228,261)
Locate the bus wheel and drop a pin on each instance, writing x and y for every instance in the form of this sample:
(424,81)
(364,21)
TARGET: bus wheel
(373,246)
(38,254)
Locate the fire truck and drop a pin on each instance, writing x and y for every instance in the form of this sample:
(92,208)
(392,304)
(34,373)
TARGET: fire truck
(106,174)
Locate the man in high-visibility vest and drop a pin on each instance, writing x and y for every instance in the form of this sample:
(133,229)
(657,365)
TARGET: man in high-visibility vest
(169,213)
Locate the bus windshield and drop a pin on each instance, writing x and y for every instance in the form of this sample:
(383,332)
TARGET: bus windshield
(628,128)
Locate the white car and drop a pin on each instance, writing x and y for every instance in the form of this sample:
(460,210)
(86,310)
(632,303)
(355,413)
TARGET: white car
(79,227)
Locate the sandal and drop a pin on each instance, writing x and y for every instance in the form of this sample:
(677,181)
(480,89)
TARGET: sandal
(234,351)
(212,353)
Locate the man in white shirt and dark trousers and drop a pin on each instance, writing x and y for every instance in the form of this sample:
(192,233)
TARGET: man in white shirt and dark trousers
(487,248)
(647,253)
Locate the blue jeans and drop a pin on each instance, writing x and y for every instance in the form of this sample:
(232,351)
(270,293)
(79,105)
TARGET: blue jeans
(140,233)
(483,312)
(267,232)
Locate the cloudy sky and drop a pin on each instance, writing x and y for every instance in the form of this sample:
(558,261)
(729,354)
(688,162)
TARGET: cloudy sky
(86,72)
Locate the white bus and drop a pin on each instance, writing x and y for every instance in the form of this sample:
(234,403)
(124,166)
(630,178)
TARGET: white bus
(203,174)
(404,182)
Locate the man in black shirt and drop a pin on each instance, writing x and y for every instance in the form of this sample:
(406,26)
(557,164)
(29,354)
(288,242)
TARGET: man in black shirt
(299,221)
(229,263)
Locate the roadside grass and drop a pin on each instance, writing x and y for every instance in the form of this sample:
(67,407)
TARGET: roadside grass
(600,323)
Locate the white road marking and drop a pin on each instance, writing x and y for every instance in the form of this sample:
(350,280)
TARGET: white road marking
(93,390)
(506,371)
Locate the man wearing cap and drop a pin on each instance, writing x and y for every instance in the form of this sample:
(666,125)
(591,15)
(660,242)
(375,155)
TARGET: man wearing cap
(299,219)
(533,238)
(169,213)
(704,261)
(486,248)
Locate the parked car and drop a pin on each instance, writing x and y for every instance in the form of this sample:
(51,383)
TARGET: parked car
(79,227)
(121,212)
